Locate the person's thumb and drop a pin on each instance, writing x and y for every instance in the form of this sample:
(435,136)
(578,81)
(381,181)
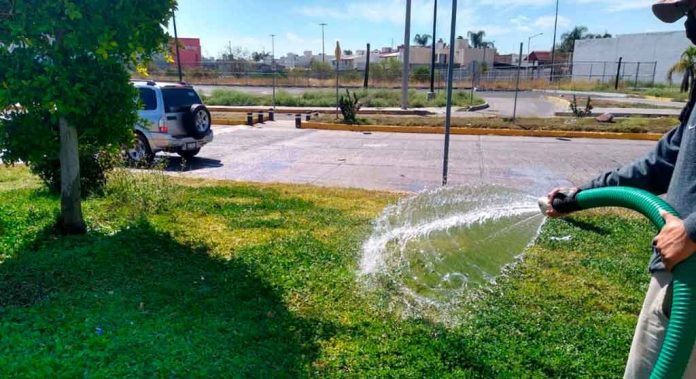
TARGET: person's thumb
(667,216)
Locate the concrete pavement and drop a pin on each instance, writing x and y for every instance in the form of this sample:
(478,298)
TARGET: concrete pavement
(277,152)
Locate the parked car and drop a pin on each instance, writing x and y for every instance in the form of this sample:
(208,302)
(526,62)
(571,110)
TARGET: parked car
(173,119)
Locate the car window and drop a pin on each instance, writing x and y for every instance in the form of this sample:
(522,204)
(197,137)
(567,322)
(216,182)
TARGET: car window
(179,99)
(148,99)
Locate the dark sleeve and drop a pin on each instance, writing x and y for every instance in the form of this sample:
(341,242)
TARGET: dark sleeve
(652,172)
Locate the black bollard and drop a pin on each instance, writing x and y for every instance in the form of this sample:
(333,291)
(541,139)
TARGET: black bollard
(298,121)
(271,114)
(250,119)
(260,117)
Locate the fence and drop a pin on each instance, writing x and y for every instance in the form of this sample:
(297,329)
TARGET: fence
(547,76)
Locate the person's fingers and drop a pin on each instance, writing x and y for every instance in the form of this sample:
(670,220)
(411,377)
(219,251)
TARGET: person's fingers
(667,216)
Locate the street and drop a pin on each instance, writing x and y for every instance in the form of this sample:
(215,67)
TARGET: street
(277,152)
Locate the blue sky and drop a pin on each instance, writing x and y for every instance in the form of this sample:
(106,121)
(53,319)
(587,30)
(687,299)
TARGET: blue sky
(248,23)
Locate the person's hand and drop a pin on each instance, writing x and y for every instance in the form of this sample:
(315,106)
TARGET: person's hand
(550,211)
(673,243)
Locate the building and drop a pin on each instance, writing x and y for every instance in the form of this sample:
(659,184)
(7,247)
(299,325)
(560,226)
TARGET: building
(464,54)
(646,56)
(189,51)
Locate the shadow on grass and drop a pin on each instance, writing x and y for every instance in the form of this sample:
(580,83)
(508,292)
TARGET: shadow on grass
(140,303)
(587,226)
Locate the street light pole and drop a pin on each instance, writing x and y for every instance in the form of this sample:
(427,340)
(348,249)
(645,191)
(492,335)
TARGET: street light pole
(407,57)
(432,58)
(553,48)
(529,41)
(323,51)
(448,116)
(273,68)
(176,45)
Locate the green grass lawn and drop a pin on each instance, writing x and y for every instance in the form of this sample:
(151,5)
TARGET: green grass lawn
(223,279)
(378,98)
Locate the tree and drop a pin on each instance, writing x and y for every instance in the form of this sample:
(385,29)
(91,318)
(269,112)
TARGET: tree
(687,65)
(257,56)
(579,32)
(422,39)
(65,63)
(476,38)
(347,52)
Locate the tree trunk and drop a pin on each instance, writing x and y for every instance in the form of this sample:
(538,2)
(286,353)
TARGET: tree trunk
(70,221)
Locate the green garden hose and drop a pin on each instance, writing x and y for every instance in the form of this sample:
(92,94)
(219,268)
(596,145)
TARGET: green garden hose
(681,331)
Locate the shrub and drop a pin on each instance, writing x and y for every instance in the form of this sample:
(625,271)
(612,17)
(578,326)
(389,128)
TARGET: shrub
(350,106)
(420,74)
(18,143)
(581,112)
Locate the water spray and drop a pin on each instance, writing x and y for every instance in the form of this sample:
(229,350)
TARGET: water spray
(681,331)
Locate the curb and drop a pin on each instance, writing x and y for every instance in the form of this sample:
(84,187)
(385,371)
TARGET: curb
(476,108)
(482,132)
(226,109)
(622,114)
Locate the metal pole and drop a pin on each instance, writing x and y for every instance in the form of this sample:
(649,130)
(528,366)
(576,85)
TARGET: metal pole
(604,72)
(176,44)
(473,81)
(432,58)
(273,68)
(635,83)
(367,68)
(517,86)
(450,71)
(618,74)
(407,57)
(654,72)
(553,48)
(323,51)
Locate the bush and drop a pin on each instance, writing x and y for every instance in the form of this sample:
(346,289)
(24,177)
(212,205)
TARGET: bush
(18,143)
(420,74)
(350,106)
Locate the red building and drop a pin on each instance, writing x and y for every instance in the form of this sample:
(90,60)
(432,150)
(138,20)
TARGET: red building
(189,51)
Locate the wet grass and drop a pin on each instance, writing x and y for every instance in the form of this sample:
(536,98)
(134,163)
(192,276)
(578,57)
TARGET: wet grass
(244,280)
(379,98)
(621,125)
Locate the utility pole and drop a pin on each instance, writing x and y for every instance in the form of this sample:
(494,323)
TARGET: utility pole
(407,58)
(517,86)
(432,58)
(176,44)
(450,71)
(553,48)
(273,68)
(323,50)
(367,68)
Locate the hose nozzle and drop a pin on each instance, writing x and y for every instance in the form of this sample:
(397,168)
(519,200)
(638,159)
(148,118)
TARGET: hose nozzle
(543,204)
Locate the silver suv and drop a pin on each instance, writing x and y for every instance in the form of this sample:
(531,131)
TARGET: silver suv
(173,119)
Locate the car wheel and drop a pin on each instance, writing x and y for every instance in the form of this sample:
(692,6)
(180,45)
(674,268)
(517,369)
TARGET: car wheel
(189,154)
(140,153)
(197,121)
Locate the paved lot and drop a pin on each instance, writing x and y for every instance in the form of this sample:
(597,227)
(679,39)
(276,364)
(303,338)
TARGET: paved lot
(277,152)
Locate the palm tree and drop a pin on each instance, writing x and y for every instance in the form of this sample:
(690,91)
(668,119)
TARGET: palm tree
(568,39)
(686,65)
(476,38)
(422,39)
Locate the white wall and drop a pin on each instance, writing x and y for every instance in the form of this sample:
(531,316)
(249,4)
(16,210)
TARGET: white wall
(665,48)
